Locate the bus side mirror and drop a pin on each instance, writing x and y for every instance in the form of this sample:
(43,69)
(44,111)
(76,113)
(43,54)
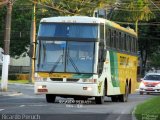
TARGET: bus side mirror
(103,58)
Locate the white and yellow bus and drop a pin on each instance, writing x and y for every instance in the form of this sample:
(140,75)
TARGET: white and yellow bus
(83,57)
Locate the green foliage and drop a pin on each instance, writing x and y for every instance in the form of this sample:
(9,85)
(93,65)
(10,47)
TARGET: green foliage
(21,24)
(74,7)
(19,81)
(139,11)
(134,10)
(154,60)
(127,11)
(20,27)
(148,109)
(18,77)
(22,14)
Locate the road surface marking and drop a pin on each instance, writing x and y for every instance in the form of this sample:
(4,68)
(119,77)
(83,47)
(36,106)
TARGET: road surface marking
(22,106)
(37,105)
(1,109)
(119,117)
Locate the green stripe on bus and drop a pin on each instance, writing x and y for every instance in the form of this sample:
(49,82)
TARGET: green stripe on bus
(114,69)
(82,76)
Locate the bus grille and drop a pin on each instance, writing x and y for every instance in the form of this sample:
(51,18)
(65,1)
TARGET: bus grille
(56,79)
(72,80)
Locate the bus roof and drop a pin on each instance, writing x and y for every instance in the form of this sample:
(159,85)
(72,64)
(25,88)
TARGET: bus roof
(85,19)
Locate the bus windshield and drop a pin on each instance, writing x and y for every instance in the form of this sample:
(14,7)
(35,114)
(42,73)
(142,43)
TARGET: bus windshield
(68,30)
(65,56)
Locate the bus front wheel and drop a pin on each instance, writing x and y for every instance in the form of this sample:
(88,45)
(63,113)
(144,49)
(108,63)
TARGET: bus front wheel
(99,100)
(50,98)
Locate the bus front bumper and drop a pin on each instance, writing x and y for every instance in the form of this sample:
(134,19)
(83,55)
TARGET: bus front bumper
(80,89)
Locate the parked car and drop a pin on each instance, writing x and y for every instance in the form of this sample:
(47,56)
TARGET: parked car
(150,83)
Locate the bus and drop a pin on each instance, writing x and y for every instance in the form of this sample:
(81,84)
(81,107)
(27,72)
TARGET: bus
(85,57)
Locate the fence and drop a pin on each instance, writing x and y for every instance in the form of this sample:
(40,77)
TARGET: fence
(17,69)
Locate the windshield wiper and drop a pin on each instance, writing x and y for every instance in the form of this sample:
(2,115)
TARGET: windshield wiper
(72,62)
(57,62)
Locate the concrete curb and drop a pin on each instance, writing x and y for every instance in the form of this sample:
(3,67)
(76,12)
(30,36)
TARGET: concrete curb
(10,93)
(133,114)
(21,84)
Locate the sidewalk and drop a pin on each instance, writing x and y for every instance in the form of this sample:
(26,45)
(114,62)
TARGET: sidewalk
(9,92)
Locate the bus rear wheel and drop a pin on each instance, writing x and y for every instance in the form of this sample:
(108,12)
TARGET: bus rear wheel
(114,98)
(141,93)
(124,97)
(50,98)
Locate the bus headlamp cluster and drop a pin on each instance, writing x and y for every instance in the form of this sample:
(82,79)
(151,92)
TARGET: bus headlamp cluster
(158,85)
(87,88)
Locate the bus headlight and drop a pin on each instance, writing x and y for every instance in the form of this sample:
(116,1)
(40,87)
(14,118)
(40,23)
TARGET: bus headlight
(87,88)
(158,85)
(42,87)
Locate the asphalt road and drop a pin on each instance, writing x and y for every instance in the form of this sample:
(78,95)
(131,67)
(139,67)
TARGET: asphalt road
(26,105)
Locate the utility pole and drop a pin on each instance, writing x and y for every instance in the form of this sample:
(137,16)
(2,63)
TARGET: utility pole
(33,42)
(6,57)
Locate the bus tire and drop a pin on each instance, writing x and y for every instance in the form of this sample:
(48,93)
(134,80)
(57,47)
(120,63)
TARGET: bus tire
(124,97)
(80,98)
(114,98)
(141,93)
(50,98)
(100,99)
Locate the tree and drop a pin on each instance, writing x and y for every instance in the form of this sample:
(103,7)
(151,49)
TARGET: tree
(22,13)
(134,11)
(154,60)
(138,12)
(75,7)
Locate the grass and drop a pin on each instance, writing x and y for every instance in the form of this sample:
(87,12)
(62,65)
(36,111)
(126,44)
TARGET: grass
(149,110)
(19,81)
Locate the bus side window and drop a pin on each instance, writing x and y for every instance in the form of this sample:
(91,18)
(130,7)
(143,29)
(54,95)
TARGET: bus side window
(128,43)
(136,45)
(106,36)
(112,38)
(131,44)
(122,38)
(108,41)
(117,35)
(115,40)
(124,43)
(101,57)
(120,41)
(102,31)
